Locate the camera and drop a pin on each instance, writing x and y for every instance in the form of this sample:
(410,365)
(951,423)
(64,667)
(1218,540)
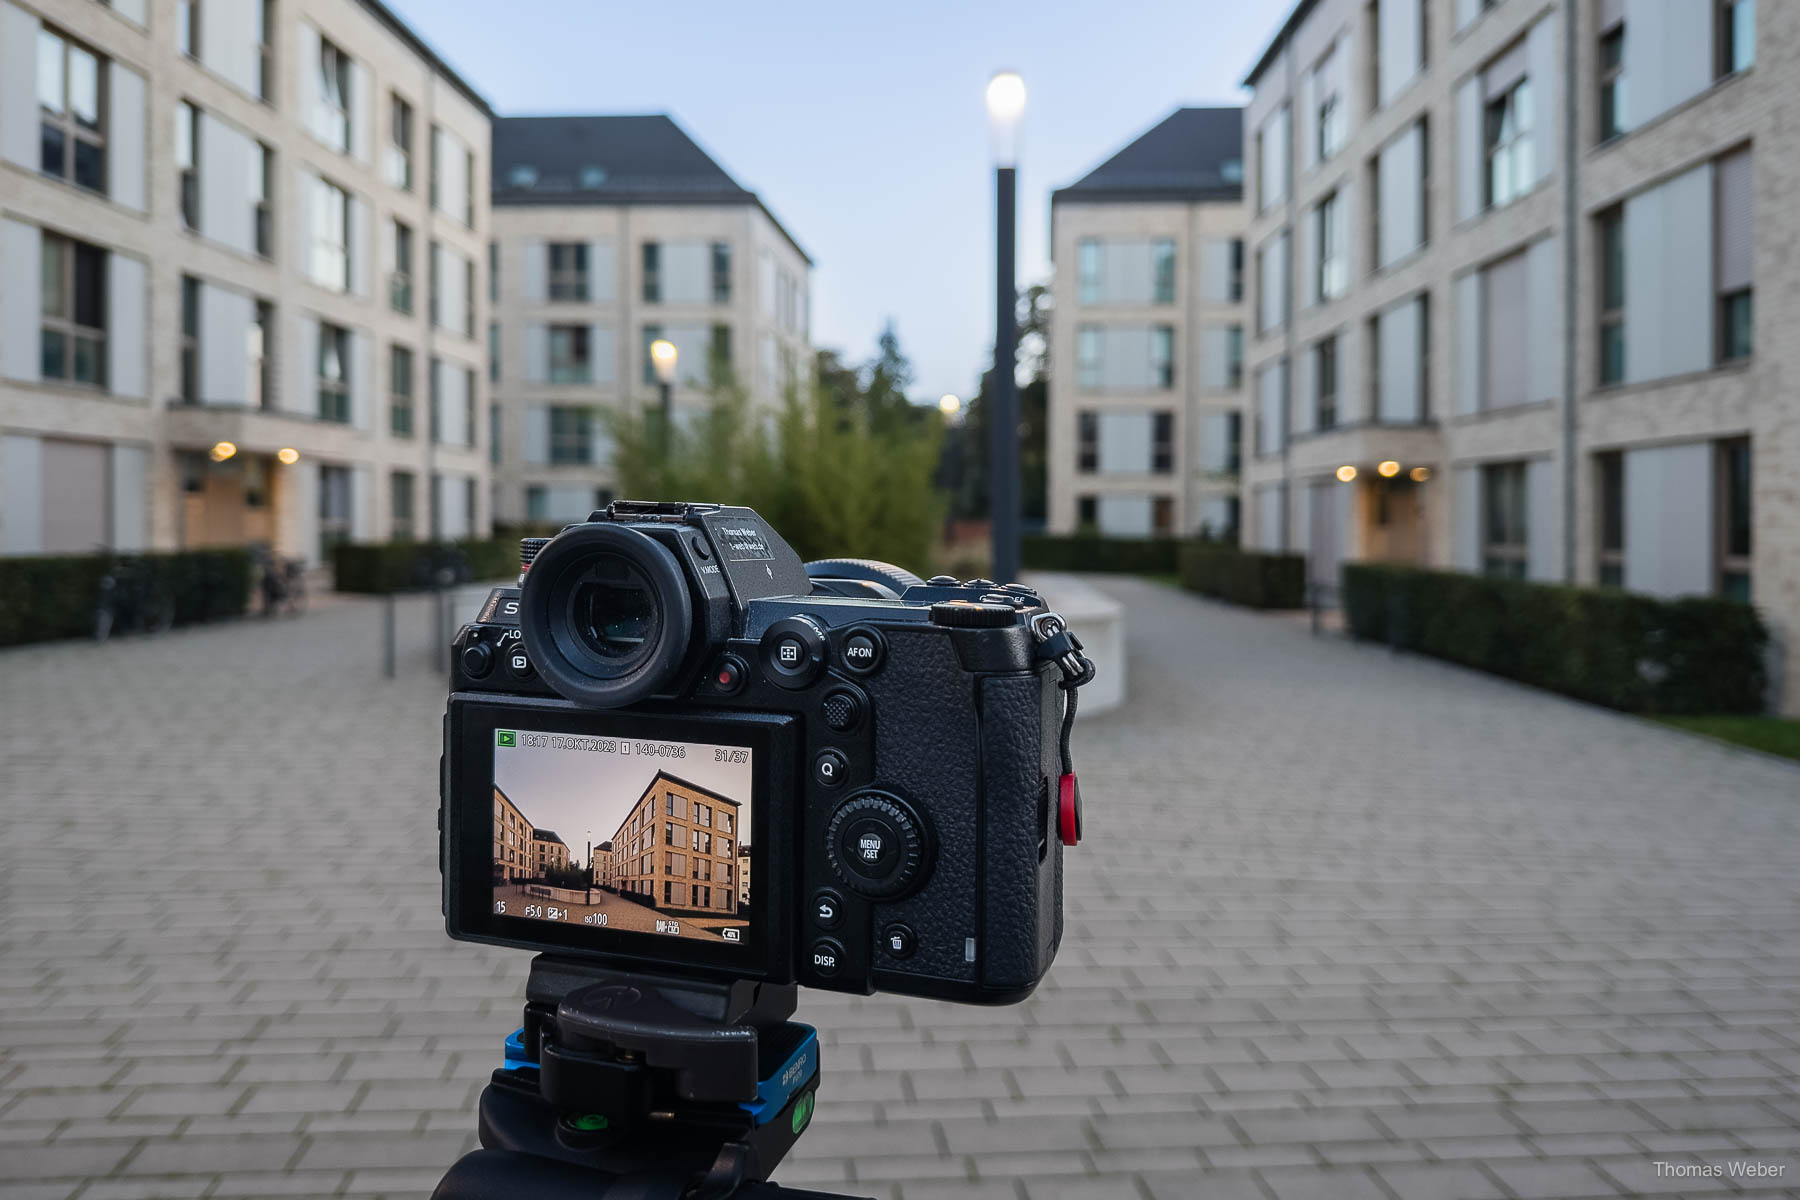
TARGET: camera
(675,748)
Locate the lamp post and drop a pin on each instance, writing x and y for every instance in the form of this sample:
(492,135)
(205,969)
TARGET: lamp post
(662,360)
(590,869)
(1005,106)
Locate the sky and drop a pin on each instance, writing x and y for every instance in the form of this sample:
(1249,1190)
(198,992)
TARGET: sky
(862,126)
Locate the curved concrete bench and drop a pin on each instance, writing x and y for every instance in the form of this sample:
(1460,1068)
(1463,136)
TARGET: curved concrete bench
(1099,621)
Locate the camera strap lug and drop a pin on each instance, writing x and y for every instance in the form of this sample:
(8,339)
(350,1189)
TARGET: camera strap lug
(1057,643)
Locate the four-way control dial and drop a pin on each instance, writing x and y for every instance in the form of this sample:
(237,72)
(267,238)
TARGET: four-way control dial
(877,845)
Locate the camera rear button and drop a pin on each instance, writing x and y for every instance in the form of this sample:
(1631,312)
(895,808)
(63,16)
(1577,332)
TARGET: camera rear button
(899,941)
(827,958)
(829,769)
(842,709)
(828,910)
(477,660)
(518,664)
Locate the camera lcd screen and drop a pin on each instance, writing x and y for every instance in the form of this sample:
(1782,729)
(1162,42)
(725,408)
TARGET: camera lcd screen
(623,834)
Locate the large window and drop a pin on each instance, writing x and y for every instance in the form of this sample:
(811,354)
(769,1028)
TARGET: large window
(1734,257)
(1733,504)
(1736,37)
(334,376)
(73,346)
(570,361)
(72,138)
(1503,520)
(331,106)
(1613,113)
(568,270)
(187,163)
(1612,296)
(1507,140)
(400,271)
(400,391)
(331,236)
(400,143)
(1610,468)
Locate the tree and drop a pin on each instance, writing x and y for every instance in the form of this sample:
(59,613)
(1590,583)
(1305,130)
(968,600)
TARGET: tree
(963,471)
(843,468)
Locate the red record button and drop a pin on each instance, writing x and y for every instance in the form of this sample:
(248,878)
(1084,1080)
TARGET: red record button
(728,675)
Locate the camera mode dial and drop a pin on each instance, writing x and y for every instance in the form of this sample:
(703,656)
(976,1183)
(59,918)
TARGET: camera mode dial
(876,844)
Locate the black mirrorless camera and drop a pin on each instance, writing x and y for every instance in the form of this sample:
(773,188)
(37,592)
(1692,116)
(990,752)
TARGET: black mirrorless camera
(678,749)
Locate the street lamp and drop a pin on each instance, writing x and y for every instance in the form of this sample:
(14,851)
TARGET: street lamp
(1005,107)
(662,360)
(949,405)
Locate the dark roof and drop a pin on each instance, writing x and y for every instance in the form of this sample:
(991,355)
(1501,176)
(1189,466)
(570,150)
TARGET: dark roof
(1301,8)
(546,835)
(1184,157)
(645,159)
(417,45)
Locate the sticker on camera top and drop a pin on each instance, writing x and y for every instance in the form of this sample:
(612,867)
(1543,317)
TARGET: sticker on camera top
(744,543)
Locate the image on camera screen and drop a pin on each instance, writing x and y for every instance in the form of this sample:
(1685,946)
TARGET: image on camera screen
(638,836)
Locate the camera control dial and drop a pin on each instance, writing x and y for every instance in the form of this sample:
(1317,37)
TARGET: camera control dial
(877,845)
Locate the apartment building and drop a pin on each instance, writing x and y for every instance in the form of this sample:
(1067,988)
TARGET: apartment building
(239,248)
(611,232)
(512,840)
(1147,334)
(676,848)
(1506,313)
(549,852)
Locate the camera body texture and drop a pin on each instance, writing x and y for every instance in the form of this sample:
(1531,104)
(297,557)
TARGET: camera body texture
(672,748)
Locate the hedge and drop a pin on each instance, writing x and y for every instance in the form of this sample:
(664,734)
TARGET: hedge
(1091,552)
(1246,577)
(1625,651)
(381,567)
(44,598)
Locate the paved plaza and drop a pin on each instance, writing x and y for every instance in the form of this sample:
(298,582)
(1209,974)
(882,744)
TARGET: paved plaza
(1346,925)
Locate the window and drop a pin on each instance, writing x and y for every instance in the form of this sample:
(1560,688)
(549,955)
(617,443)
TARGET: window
(1612,82)
(331,236)
(652,273)
(400,391)
(593,178)
(522,176)
(1087,357)
(703,815)
(1162,271)
(1736,38)
(495,420)
(468,295)
(725,827)
(569,359)
(571,434)
(719,352)
(1162,443)
(262,355)
(72,143)
(265,48)
(471,427)
(468,188)
(1087,271)
(187,27)
(73,346)
(1162,356)
(187,148)
(1503,520)
(1334,261)
(331,107)
(1087,513)
(400,271)
(434,286)
(1162,515)
(190,340)
(1733,256)
(400,143)
(400,504)
(1234,445)
(1325,381)
(568,270)
(1733,537)
(334,378)
(334,508)
(494,272)
(721,272)
(1611,469)
(1333,124)
(1234,357)
(1612,296)
(1087,442)
(262,188)
(493,352)
(1236,290)
(1508,145)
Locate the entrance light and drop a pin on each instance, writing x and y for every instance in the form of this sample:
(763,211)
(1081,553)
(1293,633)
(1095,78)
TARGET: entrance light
(1388,469)
(1346,473)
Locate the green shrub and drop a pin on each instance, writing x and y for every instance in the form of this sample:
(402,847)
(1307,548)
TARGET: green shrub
(1630,652)
(1091,552)
(377,568)
(1246,577)
(44,598)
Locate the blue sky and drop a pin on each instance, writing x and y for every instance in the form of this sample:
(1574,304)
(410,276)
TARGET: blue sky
(862,128)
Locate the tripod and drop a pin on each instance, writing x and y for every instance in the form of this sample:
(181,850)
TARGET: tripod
(643,1087)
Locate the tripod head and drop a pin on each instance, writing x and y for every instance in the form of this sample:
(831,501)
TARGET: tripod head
(643,1087)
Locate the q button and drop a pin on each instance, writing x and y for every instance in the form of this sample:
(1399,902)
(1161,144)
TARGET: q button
(830,768)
